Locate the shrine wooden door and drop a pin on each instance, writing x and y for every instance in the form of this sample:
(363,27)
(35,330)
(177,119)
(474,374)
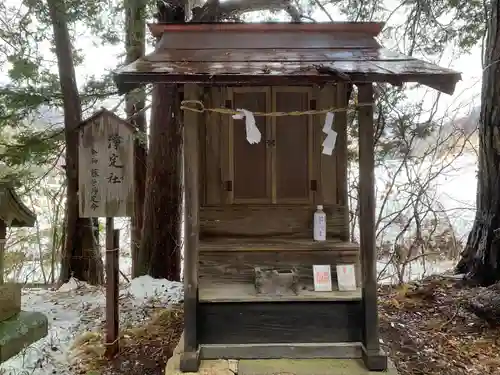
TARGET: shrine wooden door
(279,169)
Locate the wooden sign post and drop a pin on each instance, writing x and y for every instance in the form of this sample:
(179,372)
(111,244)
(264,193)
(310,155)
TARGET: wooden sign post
(106,166)
(106,189)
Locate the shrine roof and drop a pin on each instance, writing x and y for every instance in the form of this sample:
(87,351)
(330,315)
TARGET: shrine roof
(12,210)
(278,54)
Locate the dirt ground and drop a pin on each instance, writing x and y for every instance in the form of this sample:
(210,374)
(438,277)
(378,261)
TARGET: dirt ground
(427,327)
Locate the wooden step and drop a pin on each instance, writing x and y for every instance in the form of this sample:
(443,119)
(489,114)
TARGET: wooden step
(245,292)
(270,220)
(234,261)
(215,244)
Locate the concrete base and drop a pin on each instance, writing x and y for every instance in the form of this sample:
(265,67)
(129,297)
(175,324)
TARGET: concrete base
(20,331)
(215,367)
(273,366)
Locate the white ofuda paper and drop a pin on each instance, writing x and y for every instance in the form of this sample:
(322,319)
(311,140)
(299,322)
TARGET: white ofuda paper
(346,277)
(322,278)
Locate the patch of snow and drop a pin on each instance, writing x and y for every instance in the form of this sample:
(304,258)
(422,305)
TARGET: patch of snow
(145,287)
(72,284)
(76,308)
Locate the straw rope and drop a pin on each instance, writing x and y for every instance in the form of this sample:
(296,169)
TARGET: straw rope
(198,106)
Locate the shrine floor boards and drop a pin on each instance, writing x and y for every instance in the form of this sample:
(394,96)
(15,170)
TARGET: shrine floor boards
(274,366)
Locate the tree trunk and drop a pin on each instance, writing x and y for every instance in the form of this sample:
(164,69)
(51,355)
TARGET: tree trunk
(159,254)
(481,257)
(134,106)
(160,245)
(80,256)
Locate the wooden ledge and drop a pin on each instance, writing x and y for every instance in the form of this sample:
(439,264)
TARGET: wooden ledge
(245,292)
(213,244)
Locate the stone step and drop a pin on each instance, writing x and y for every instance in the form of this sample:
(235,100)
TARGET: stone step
(273,366)
(277,367)
(306,367)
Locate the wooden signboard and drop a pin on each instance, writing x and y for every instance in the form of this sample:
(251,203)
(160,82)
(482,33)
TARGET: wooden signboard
(106,166)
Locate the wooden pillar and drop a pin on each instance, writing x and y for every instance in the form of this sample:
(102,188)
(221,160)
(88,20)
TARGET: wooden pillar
(112,289)
(3,235)
(374,359)
(190,357)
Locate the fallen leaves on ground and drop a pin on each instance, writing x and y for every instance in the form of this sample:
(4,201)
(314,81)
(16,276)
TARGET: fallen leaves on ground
(144,349)
(428,328)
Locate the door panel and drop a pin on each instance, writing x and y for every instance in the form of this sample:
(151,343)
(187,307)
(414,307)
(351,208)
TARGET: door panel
(292,155)
(279,168)
(250,162)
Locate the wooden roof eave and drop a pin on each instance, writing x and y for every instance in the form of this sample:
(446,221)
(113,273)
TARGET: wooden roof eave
(128,81)
(12,210)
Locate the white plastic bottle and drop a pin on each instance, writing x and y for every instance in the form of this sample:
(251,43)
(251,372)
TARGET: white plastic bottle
(319,226)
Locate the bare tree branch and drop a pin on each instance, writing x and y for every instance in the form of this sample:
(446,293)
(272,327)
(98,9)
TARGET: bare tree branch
(231,8)
(323,9)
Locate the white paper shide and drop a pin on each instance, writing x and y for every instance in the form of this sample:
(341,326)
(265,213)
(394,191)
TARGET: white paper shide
(331,135)
(253,132)
(322,278)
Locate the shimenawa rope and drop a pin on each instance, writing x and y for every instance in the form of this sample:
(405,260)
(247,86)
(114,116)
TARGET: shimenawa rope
(198,106)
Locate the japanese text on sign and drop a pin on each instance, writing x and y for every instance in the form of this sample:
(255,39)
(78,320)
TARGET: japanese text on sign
(94,173)
(106,166)
(115,175)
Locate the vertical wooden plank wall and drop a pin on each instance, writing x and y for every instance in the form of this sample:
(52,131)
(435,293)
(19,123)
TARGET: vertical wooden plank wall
(190,358)
(213,182)
(332,170)
(373,358)
(342,162)
(326,164)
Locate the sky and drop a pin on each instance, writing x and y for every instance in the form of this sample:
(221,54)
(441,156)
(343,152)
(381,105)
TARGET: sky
(99,59)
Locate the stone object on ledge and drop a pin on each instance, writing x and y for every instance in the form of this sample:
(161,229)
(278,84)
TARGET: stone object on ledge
(10,300)
(272,281)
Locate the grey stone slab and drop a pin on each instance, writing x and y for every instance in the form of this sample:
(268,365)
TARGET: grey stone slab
(306,367)
(20,331)
(214,367)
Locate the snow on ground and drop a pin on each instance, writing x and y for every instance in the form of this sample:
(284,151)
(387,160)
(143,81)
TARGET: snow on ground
(76,308)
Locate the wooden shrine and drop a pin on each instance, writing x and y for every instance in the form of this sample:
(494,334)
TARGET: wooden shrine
(250,205)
